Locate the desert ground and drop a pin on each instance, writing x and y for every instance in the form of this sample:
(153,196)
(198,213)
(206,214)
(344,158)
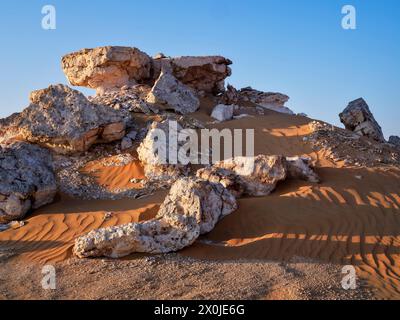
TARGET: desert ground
(291,244)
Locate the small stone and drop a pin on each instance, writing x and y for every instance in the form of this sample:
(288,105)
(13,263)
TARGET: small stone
(222,112)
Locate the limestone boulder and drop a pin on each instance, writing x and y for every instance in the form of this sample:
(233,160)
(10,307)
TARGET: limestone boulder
(204,74)
(253,176)
(169,93)
(222,112)
(192,207)
(63,120)
(358,118)
(156,149)
(107,67)
(301,168)
(27,180)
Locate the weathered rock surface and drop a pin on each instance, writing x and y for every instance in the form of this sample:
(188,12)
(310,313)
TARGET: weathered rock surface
(26,180)
(205,74)
(127,99)
(256,176)
(62,119)
(300,168)
(108,67)
(357,117)
(395,140)
(169,93)
(155,150)
(222,112)
(192,207)
(267,100)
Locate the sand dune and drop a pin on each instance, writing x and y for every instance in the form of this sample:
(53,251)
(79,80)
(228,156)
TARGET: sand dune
(352,217)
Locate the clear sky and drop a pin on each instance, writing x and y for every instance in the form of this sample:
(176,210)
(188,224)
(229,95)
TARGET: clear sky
(296,47)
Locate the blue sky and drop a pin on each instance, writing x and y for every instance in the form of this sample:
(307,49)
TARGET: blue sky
(296,47)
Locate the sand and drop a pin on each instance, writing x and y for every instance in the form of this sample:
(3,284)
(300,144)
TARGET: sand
(352,217)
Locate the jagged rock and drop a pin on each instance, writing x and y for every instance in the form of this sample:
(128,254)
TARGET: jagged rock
(300,168)
(222,112)
(127,99)
(357,117)
(256,176)
(267,100)
(170,93)
(395,140)
(192,207)
(26,180)
(155,154)
(62,119)
(126,143)
(203,74)
(108,67)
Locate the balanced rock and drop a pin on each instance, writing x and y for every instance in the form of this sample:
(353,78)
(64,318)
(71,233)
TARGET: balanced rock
(192,207)
(169,93)
(108,67)
(357,117)
(204,74)
(62,119)
(155,150)
(26,180)
(253,176)
(222,112)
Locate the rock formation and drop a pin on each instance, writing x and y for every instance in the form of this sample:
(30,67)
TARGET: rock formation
(222,112)
(169,93)
(357,117)
(256,176)
(26,180)
(300,168)
(259,179)
(62,119)
(192,207)
(105,68)
(154,152)
(267,100)
(203,74)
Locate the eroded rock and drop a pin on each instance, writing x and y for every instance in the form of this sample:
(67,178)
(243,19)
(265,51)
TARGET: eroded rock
(395,140)
(256,176)
(63,120)
(301,168)
(192,207)
(267,100)
(222,112)
(204,74)
(169,93)
(26,180)
(105,68)
(155,150)
(357,117)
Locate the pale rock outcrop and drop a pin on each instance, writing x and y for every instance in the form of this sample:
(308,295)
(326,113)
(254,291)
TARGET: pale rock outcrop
(301,168)
(63,120)
(154,152)
(105,68)
(204,74)
(192,207)
(169,93)
(27,180)
(395,140)
(357,117)
(253,176)
(267,100)
(222,112)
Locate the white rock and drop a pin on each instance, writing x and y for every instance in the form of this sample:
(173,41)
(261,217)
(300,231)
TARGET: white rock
(223,112)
